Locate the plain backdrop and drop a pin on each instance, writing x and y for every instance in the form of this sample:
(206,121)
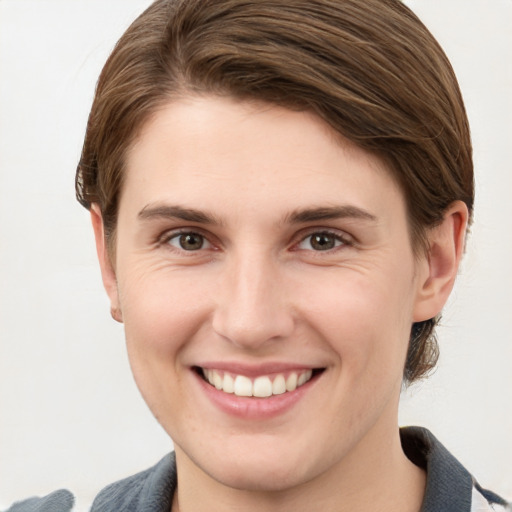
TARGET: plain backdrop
(70,414)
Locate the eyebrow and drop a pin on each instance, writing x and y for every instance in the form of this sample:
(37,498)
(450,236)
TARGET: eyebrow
(329,213)
(163,211)
(300,216)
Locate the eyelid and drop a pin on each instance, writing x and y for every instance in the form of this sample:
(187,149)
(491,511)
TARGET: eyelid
(341,236)
(164,238)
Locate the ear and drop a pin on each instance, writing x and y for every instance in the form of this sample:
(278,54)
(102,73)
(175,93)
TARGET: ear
(439,269)
(108,273)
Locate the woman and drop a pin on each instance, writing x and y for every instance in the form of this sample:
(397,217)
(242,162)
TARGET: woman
(280,193)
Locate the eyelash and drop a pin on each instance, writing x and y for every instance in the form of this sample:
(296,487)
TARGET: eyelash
(166,238)
(340,240)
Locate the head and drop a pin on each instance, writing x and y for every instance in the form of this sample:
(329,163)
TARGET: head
(255,114)
(370,70)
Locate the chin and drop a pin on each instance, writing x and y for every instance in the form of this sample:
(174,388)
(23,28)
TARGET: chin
(260,478)
(267,466)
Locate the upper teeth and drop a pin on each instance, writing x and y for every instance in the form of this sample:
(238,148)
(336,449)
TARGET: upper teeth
(260,387)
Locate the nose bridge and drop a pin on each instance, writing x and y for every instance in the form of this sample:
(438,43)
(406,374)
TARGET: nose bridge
(252,308)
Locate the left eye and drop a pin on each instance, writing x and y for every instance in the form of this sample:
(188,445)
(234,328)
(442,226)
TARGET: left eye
(189,241)
(323,241)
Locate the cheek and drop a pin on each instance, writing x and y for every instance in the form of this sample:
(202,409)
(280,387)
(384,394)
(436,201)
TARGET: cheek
(161,313)
(366,319)
(161,310)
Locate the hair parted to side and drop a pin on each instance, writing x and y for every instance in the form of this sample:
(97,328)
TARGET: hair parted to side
(371,70)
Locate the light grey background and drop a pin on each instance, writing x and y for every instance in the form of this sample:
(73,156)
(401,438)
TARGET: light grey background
(70,415)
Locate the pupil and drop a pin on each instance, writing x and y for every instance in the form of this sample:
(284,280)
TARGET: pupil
(191,242)
(322,242)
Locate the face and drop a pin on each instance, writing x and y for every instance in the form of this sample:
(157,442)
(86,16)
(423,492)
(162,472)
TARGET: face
(259,254)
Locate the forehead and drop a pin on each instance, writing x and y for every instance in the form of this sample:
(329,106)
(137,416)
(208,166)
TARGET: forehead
(223,153)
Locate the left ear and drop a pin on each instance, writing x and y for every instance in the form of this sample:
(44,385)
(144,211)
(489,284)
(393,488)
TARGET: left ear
(439,270)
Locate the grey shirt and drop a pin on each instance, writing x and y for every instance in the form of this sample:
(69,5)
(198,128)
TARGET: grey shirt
(450,487)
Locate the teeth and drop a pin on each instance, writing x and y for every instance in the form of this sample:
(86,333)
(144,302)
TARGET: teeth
(228,385)
(243,386)
(279,385)
(217,380)
(291,382)
(261,387)
(304,377)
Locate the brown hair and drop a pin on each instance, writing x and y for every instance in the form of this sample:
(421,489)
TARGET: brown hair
(370,69)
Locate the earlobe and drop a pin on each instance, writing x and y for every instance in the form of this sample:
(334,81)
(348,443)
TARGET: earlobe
(446,247)
(108,274)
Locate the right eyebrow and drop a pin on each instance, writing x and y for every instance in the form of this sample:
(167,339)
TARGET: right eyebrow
(165,211)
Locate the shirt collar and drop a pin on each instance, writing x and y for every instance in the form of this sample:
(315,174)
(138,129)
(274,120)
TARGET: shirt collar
(449,484)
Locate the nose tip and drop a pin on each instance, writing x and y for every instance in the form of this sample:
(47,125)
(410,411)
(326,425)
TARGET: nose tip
(252,309)
(254,331)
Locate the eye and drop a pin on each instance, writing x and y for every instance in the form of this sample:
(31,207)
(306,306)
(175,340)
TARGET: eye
(322,241)
(188,241)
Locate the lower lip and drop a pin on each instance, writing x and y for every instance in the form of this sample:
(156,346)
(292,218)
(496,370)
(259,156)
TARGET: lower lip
(254,408)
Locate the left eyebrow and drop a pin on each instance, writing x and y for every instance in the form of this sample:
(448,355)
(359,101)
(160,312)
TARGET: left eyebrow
(329,213)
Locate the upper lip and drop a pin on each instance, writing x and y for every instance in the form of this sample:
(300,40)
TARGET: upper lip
(255,370)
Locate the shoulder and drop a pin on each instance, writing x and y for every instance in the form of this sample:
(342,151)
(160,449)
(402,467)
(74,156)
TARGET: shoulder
(151,490)
(450,486)
(58,501)
(486,501)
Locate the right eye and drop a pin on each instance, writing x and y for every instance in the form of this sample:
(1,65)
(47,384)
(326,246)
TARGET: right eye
(188,241)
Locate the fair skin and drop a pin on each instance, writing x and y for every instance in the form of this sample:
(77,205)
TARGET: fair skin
(254,244)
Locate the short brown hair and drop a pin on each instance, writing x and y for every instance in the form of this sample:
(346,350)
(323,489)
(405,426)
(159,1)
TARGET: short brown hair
(370,69)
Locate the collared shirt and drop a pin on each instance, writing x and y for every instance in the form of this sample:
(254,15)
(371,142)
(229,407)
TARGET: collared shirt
(450,487)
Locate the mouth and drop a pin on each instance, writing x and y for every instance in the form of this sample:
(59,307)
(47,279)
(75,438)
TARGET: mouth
(262,386)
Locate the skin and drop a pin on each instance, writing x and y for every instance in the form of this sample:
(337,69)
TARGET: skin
(258,292)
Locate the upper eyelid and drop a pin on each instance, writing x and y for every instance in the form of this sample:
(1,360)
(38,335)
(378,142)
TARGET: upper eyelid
(173,233)
(338,233)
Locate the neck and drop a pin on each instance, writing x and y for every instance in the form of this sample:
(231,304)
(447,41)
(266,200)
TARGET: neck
(376,475)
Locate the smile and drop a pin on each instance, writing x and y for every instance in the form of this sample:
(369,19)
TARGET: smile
(260,387)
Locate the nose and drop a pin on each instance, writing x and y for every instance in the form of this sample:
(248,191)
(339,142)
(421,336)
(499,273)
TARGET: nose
(252,306)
